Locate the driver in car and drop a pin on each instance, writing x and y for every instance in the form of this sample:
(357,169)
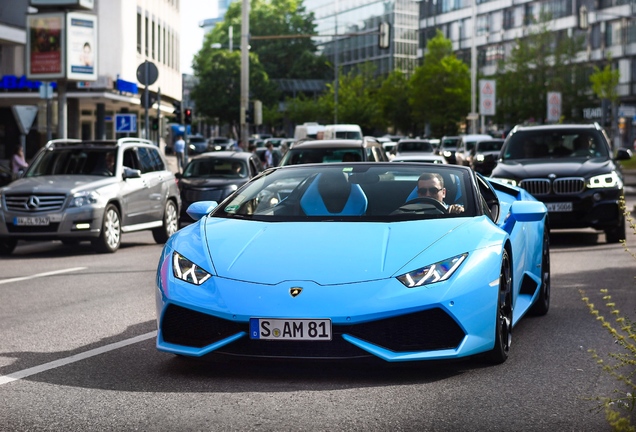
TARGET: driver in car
(431,185)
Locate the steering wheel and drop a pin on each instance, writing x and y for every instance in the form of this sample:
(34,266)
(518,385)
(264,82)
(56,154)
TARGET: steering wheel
(428,201)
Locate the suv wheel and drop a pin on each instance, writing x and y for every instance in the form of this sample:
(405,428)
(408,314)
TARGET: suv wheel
(170,224)
(7,246)
(615,235)
(110,237)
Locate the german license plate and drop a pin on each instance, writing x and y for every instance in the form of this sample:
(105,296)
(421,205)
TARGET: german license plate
(31,221)
(290,329)
(559,207)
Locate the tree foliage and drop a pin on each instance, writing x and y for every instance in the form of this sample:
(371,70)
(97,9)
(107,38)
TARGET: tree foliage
(541,62)
(218,91)
(281,58)
(393,101)
(440,88)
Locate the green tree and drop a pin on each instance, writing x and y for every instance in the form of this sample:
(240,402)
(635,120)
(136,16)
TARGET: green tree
(357,98)
(218,91)
(303,108)
(440,88)
(282,58)
(393,103)
(541,62)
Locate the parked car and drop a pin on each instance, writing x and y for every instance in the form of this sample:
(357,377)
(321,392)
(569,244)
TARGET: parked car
(580,187)
(448,147)
(197,144)
(412,146)
(220,143)
(91,190)
(355,282)
(484,155)
(319,151)
(465,146)
(215,175)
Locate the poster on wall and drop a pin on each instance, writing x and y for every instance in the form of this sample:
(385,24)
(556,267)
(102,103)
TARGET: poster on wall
(45,46)
(81,46)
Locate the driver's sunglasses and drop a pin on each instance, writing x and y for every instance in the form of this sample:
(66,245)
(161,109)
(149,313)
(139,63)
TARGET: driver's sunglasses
(430,190)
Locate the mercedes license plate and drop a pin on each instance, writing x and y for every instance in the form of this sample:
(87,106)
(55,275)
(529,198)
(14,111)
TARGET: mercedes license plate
(31,221)
(290,329)
(559,207)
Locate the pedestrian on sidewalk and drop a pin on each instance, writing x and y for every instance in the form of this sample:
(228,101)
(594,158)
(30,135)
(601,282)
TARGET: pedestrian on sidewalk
(179,149)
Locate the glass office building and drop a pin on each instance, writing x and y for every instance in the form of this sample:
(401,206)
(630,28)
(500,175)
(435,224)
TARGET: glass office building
(349,29)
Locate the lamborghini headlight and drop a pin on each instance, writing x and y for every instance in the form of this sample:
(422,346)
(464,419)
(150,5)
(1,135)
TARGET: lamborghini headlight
(188,271)
(609,180)
(440,271)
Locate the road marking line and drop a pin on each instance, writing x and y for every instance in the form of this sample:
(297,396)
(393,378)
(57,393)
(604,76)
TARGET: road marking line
(42,275)
(74,358)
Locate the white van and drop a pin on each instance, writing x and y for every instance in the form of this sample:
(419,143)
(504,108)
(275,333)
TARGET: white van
(308,130)
(342,131)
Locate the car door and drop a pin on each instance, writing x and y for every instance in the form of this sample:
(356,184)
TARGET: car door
(153,173)
(133,192)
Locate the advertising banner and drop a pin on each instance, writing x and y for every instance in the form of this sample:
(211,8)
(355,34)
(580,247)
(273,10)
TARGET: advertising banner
(45,46)
(81,46)
(554,106)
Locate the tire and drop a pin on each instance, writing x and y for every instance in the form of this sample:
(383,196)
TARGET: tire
(109,239)
(542,305)
(7,246)
(170,223)
(615,235)
(503,323)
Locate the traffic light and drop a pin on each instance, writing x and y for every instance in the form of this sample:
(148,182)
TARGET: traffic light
(249,115)
(384,35)
(187,116)
(155,124)
(177,111)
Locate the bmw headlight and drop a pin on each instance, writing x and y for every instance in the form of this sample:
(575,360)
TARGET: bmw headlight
(480,158)
(440,271)
(188,271)
(507,181)
(84,198)
(609,180)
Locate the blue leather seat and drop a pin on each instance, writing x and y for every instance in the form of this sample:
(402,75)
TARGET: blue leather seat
(330,194)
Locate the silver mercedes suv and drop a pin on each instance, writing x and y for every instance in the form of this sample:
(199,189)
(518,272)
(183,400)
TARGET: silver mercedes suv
(91,190)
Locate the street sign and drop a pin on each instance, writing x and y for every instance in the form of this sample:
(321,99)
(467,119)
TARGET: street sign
(149,77)
(24,116)
(125,123)
(487,97)
(554,106)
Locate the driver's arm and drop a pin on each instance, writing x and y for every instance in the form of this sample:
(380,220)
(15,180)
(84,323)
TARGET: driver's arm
(456,208)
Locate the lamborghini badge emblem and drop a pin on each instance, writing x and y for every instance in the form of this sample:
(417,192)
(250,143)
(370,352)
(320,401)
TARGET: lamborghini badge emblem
(295,291)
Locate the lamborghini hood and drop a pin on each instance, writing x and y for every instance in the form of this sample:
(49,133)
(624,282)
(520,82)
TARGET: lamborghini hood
(326,252)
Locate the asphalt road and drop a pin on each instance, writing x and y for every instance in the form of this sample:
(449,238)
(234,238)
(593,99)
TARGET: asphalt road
(77,354)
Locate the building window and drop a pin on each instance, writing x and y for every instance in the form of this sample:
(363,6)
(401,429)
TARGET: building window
(139,32)
(483,26)
(153,39)
(164,45)
(146,34)
(158,42)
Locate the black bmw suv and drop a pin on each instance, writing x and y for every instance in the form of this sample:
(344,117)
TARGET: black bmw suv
(570,168)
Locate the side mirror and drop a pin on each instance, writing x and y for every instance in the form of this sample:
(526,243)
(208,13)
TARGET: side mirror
(131,173)
(623,154)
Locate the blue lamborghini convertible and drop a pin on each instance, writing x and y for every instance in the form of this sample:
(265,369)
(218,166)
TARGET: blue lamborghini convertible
(403,262)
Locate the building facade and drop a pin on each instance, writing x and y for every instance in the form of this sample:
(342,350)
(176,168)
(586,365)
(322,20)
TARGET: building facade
(128,34)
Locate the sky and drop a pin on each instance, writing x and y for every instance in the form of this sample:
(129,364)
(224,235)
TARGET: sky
(192,12)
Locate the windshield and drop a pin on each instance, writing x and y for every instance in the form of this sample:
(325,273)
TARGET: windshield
(74,161)
(385,192)
(215,168)
(348,135)
(415,146)
(300,155)
(485,146)
(560,145)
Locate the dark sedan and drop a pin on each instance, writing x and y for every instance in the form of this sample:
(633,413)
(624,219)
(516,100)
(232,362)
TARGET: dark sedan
(572,169)
(484,155)
(215,175)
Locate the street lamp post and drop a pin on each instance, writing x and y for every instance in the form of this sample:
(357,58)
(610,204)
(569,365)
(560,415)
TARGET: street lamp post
(473,72)
(245,69)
